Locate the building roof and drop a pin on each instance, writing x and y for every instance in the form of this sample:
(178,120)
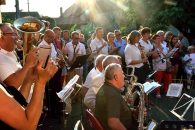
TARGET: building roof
(12,15)
(95,11)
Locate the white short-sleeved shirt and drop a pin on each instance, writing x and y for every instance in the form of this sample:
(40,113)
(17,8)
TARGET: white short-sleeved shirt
(90,97)
(147,45)
(89,78)
(70,50)
(132,53)
(96,44)
(8,64)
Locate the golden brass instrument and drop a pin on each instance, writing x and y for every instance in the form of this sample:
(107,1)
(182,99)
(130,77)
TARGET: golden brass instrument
(28,26)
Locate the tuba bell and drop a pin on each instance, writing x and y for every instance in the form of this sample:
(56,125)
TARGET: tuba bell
(28,26)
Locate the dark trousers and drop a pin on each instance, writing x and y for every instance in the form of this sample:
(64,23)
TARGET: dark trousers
(55,86)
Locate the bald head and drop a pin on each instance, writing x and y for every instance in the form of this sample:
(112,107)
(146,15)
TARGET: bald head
(49,36)
(110,59)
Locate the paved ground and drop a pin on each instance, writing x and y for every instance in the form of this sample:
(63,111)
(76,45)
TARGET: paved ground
(159,110)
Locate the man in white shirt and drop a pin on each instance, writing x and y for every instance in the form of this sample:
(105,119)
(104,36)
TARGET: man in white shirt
(47,42)
(74,49)
(11,71)
(99,45)
(95,71)
(97,82)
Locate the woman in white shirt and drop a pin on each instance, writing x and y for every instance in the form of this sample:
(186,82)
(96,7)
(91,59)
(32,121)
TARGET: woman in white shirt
(135,57)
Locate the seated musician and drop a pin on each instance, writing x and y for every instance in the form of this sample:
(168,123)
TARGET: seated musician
(97,82)
(13,113)
(111,109)
(95,71)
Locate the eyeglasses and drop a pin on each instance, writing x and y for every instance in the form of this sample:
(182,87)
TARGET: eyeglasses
(10,33)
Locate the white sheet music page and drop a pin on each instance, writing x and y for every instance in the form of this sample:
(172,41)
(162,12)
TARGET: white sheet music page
(175,90)
(68,87)
(150,86)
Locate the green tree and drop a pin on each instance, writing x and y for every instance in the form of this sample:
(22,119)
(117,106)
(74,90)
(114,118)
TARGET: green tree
(159,14)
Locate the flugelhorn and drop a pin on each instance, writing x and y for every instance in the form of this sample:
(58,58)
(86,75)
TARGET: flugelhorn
(28,26)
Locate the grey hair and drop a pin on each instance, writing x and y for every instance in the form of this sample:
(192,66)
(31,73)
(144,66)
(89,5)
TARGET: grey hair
(74,33)
(110,59)
(133,35)
(160,32)
(110,71)
(99,59)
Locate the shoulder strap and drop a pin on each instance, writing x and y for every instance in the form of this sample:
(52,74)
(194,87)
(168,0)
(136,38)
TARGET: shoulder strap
(15,93)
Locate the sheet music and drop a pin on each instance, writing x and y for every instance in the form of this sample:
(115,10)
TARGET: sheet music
(150,86)
(175,90)
(67,89)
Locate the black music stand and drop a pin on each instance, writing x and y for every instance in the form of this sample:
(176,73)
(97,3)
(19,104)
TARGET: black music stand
(80,61)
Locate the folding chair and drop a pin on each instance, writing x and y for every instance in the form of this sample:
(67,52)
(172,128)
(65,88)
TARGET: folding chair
(79,125)
(92,120)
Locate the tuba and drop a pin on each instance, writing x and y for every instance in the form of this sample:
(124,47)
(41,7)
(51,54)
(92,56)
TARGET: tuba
(28,26)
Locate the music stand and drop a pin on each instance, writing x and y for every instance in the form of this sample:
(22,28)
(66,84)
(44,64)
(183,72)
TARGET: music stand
(80,61)
(190,102)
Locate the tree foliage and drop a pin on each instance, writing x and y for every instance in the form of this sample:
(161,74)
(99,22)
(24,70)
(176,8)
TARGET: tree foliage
(159,14)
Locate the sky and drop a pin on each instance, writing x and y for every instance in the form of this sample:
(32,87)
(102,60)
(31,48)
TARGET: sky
(49,8)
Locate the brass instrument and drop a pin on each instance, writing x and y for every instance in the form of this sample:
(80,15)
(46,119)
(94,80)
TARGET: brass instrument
(133,83)
(28,26)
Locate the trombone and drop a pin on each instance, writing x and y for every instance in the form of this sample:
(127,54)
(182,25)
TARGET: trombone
(28,26)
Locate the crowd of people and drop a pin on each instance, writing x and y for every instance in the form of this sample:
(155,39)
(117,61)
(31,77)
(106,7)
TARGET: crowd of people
(102,76)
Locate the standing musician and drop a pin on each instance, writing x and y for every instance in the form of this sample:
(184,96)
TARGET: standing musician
(136,57)
(160,65)
(74,49)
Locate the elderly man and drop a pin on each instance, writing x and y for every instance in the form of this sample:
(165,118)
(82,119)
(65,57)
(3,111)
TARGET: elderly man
(11,71)
(95,71)
(111,109)
(97,82)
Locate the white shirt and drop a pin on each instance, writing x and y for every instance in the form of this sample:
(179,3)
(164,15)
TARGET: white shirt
(53,50)
(147,45)
(70,50)
(158,64)
(90,97)
(96,44)
(89,78)
(132,53)
(8,64)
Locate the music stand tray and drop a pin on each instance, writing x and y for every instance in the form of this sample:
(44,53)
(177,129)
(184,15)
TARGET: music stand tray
(80,61)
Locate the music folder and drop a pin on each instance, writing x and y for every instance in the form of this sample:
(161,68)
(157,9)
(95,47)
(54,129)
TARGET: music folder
(80,61)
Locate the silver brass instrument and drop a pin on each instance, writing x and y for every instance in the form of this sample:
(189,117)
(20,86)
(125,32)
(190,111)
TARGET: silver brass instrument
(28,26)
(133,83)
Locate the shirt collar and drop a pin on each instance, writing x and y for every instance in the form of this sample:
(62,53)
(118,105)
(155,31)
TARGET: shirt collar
(4,51)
